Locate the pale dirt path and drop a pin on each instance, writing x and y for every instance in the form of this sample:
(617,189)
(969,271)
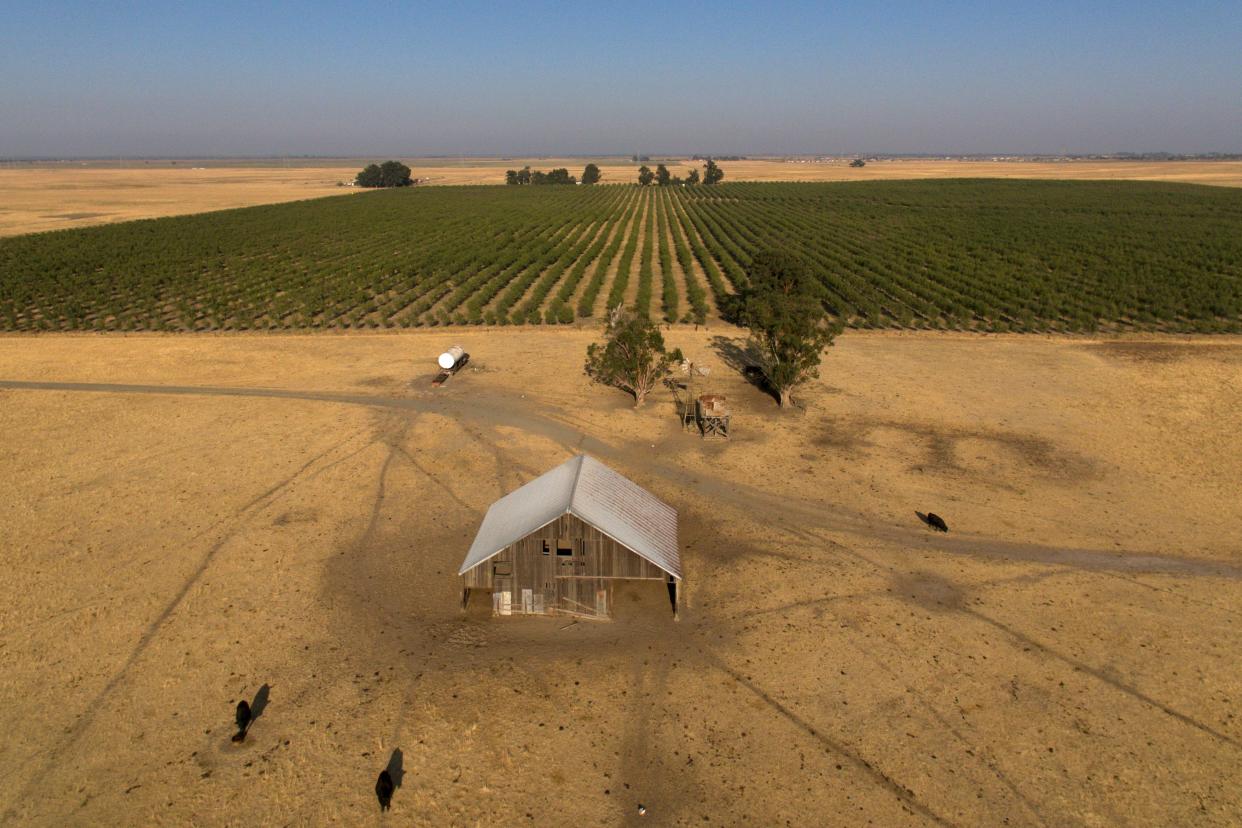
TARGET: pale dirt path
(679,275)
(631,288)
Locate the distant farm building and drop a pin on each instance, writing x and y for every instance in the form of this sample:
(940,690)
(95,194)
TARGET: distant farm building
(559,544)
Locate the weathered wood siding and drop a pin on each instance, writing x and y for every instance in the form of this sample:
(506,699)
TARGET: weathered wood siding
(578,582)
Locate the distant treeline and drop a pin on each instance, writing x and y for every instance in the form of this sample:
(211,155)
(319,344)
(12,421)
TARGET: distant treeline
(1164,156)
(712,174)
(388,174)
(1110,156)
(560,175)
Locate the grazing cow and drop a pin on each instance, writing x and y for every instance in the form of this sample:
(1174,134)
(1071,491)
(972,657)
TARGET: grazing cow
(383,790)
(936,522)
(243,720)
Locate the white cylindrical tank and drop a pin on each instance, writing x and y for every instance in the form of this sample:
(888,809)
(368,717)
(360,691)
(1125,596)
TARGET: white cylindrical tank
(450,357)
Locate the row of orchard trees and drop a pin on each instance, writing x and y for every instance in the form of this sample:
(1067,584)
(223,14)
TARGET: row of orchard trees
(560,175)
(712,174)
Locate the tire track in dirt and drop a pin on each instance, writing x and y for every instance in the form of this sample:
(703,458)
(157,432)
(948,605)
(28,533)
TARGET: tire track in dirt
(413,461)
(495,407)
(877,775)
(1022,640)
(82,723)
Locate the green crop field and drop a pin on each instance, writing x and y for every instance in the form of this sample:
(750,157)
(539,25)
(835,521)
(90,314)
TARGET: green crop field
(951,254)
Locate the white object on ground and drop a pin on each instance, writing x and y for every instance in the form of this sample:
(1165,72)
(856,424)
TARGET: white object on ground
(451,357)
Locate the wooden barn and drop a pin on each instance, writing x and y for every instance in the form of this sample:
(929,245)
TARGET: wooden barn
(559,544)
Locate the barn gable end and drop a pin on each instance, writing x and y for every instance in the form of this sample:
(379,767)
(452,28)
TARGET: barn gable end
(557,543)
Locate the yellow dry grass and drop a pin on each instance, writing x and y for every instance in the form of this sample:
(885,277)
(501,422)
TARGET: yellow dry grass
(185,519)
(33,199)
(54,197)
(1223,173)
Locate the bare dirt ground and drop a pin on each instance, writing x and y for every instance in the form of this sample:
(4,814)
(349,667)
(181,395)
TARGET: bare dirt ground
(54,197)
(187,519)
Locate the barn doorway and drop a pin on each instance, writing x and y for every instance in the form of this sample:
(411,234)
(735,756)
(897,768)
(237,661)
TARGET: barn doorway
(502,597)
(584,597)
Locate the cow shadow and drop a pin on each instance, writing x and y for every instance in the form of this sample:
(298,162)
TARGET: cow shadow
(396,768)
(259,704)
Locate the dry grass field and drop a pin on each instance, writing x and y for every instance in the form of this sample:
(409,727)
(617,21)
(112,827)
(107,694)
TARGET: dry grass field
(1221,173)
(53,197)
(33,199)
(187,519)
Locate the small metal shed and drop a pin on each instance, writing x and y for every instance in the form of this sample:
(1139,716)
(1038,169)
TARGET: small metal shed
(557,545)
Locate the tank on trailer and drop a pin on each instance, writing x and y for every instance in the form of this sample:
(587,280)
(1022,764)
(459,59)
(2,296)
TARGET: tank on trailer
(450,362)
(449,359)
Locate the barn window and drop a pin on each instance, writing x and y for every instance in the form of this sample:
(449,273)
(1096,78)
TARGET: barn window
(564,551)
(546,549)
(503,568)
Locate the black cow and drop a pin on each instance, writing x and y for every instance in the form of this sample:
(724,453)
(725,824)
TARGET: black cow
(936,522)
(243,720)
(384,789)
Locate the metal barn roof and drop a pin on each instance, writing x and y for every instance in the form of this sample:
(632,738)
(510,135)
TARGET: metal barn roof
(586,488)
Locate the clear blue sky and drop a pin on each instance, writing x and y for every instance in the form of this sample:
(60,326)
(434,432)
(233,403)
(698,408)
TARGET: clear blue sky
(370,78)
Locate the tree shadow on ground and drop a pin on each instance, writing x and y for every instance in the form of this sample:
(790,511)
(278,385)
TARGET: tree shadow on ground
(742,356)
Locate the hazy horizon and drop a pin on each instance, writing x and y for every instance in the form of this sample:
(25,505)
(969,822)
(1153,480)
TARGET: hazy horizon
(308,80)
(1120,155)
